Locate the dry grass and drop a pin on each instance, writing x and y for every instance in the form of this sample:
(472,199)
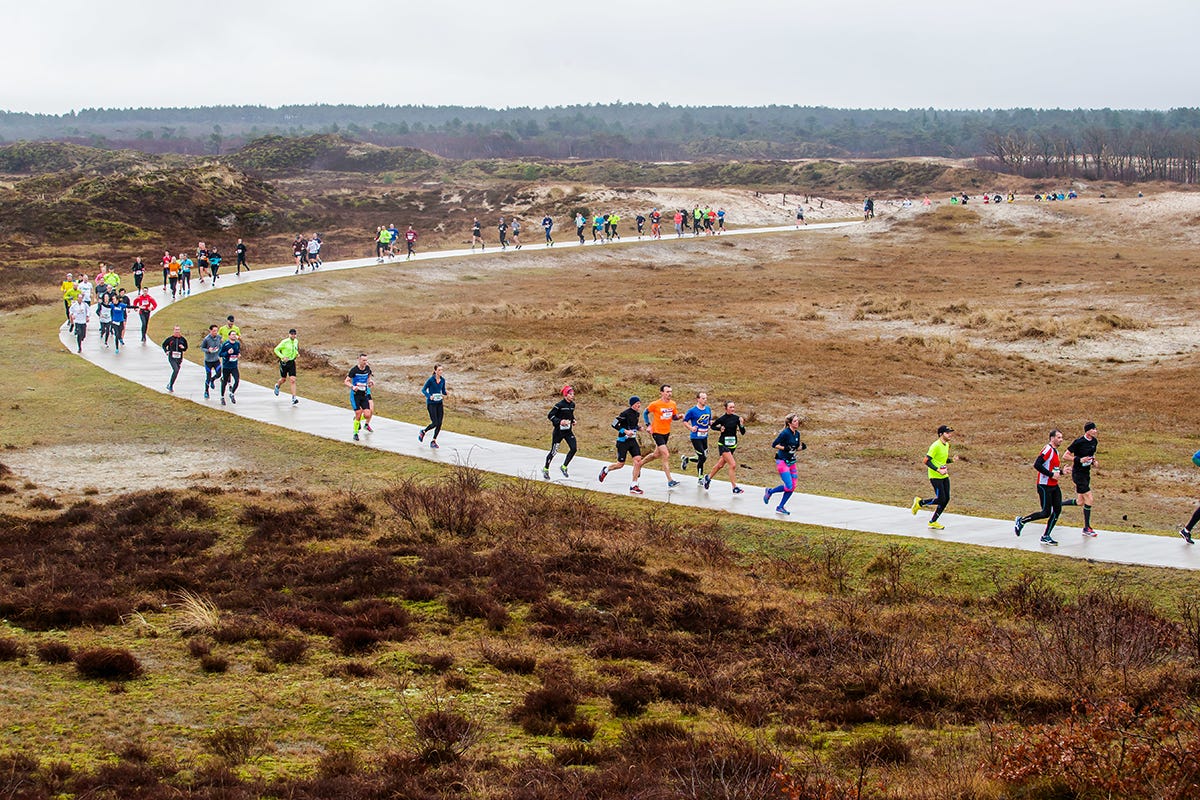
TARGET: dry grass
(195,614)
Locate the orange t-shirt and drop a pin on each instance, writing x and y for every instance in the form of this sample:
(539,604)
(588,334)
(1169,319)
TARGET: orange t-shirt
(661,412)
(173,269)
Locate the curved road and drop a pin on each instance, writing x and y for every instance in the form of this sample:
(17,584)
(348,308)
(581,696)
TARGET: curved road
(146,365)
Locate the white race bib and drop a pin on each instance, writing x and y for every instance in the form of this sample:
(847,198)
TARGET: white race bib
(436,398)
(564,424)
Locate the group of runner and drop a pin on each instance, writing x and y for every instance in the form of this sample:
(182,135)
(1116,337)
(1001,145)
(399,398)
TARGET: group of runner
(306,251)
(387,242)
(177,269)
(112,306)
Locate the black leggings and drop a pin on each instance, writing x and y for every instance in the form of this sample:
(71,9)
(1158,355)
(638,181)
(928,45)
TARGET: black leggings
(562,436)
(1195,519)
(185,281)
(1051,497)
(80,334)
(145,315)
(176,363)
(701,448)
(941,497)
(228,375)
(437,412)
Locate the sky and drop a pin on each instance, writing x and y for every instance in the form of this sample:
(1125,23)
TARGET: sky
(69,54)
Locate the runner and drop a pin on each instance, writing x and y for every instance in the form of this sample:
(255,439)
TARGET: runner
(697,220)
(640,219)
(104,317)
(562,417)
(214,263)
(697,419)
(627,424)
(516,233)
(79,313)
(679,223)
(435,395)
(659,415)
(300,253)
(360,382)
(314,251)
(393,238)
(580,224)
(655,224)
(139,272)
(613,220)
(597,227)
(547,226)
(710,219)
(185,276)
(730,425)
(69,293)
(241,257)
(1049,493)
(410,241)
(211,347)
(172,271)
(502,228)
(202,260)
(287,351)
(786,445)
(166,264)
(720,220)
(145,304)
(1186,530)
(228,328)
(1083,454)
(800,216)
(936,461)
(477,235)
(120,308)
(383,242)
(230,352)
(174,346)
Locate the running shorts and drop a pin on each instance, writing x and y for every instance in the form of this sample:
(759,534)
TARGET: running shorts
(629,447)
(287,368)
(660,439)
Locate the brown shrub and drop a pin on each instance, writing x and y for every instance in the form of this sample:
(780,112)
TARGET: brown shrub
(54,652)
(213,663)
(287,651)
(11,649)
(108,663)
(356,640)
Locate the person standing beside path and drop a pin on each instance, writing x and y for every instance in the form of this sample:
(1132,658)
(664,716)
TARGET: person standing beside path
(211,347)
(627,424)
(145,304)
(697,419)
(241,257)
(1048,468)
(79,312)
(1083,454)
(231,353)
(562,417)
(936,460)
(434,391)
(786,445)
(359,380)
(658,416)
(287,351)
(729,425)
(174,346)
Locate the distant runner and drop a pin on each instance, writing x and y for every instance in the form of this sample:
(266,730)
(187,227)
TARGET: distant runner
(359,379)
(230,353)
(1049,492)
(729,425)
(658,416)
(211,347)
(434,391)
(287,351)
(174,346)
(547,226)
(477,235)
(627,424)
(79,312)
(697,419)
(786,445)
(1083,453)
(936,460)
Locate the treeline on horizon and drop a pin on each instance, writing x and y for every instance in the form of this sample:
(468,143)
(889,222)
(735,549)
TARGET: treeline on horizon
(1116,144)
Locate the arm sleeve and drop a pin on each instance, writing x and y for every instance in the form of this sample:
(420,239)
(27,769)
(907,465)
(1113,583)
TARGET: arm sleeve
(1039,464)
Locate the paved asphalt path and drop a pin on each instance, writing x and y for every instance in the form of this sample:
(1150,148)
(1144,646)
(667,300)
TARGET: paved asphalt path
(147,365)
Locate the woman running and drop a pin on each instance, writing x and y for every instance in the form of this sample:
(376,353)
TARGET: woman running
(786,445)
(729,425)
(435,392)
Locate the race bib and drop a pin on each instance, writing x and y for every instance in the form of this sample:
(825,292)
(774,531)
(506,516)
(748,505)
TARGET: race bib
(176,355)
(729,441)
(666,414)
(564,425)
(436,397)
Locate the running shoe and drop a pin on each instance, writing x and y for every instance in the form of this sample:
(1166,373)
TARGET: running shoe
(546,473)
(672,484)
(223,403)
(937,526)
(1187,535)
(420,436)
(1018,525)
(603,473)
(355,435)
(563,470)
(206,394)
(738,490)
(1089,532)
(707,481)
(784,511)
(369,428)
(434,445)
(636,490)
(232,399)
(916,506)
(1047,539)
(295,402)
(277,390)
(683,463)
(700,480)
(766,497)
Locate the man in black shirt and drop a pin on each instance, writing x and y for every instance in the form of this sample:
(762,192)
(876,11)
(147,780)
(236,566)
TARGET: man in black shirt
(562,417)
(627,424)
(174,346)
(241,257)
(1083,451)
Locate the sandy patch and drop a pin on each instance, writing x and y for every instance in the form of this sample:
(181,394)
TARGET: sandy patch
(113,470)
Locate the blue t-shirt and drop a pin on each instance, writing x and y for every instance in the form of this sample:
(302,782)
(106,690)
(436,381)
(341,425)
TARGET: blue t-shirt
(547,223)
(118,312)
(434,387)
(790,440)
(701,418)
(229,353)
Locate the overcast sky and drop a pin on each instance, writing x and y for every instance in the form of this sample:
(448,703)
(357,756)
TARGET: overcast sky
(70,54)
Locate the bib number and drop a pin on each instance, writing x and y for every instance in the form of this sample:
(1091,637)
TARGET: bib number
(436,398)
(564,425)
(729,441)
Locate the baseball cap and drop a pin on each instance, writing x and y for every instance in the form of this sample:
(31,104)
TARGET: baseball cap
(944,429)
